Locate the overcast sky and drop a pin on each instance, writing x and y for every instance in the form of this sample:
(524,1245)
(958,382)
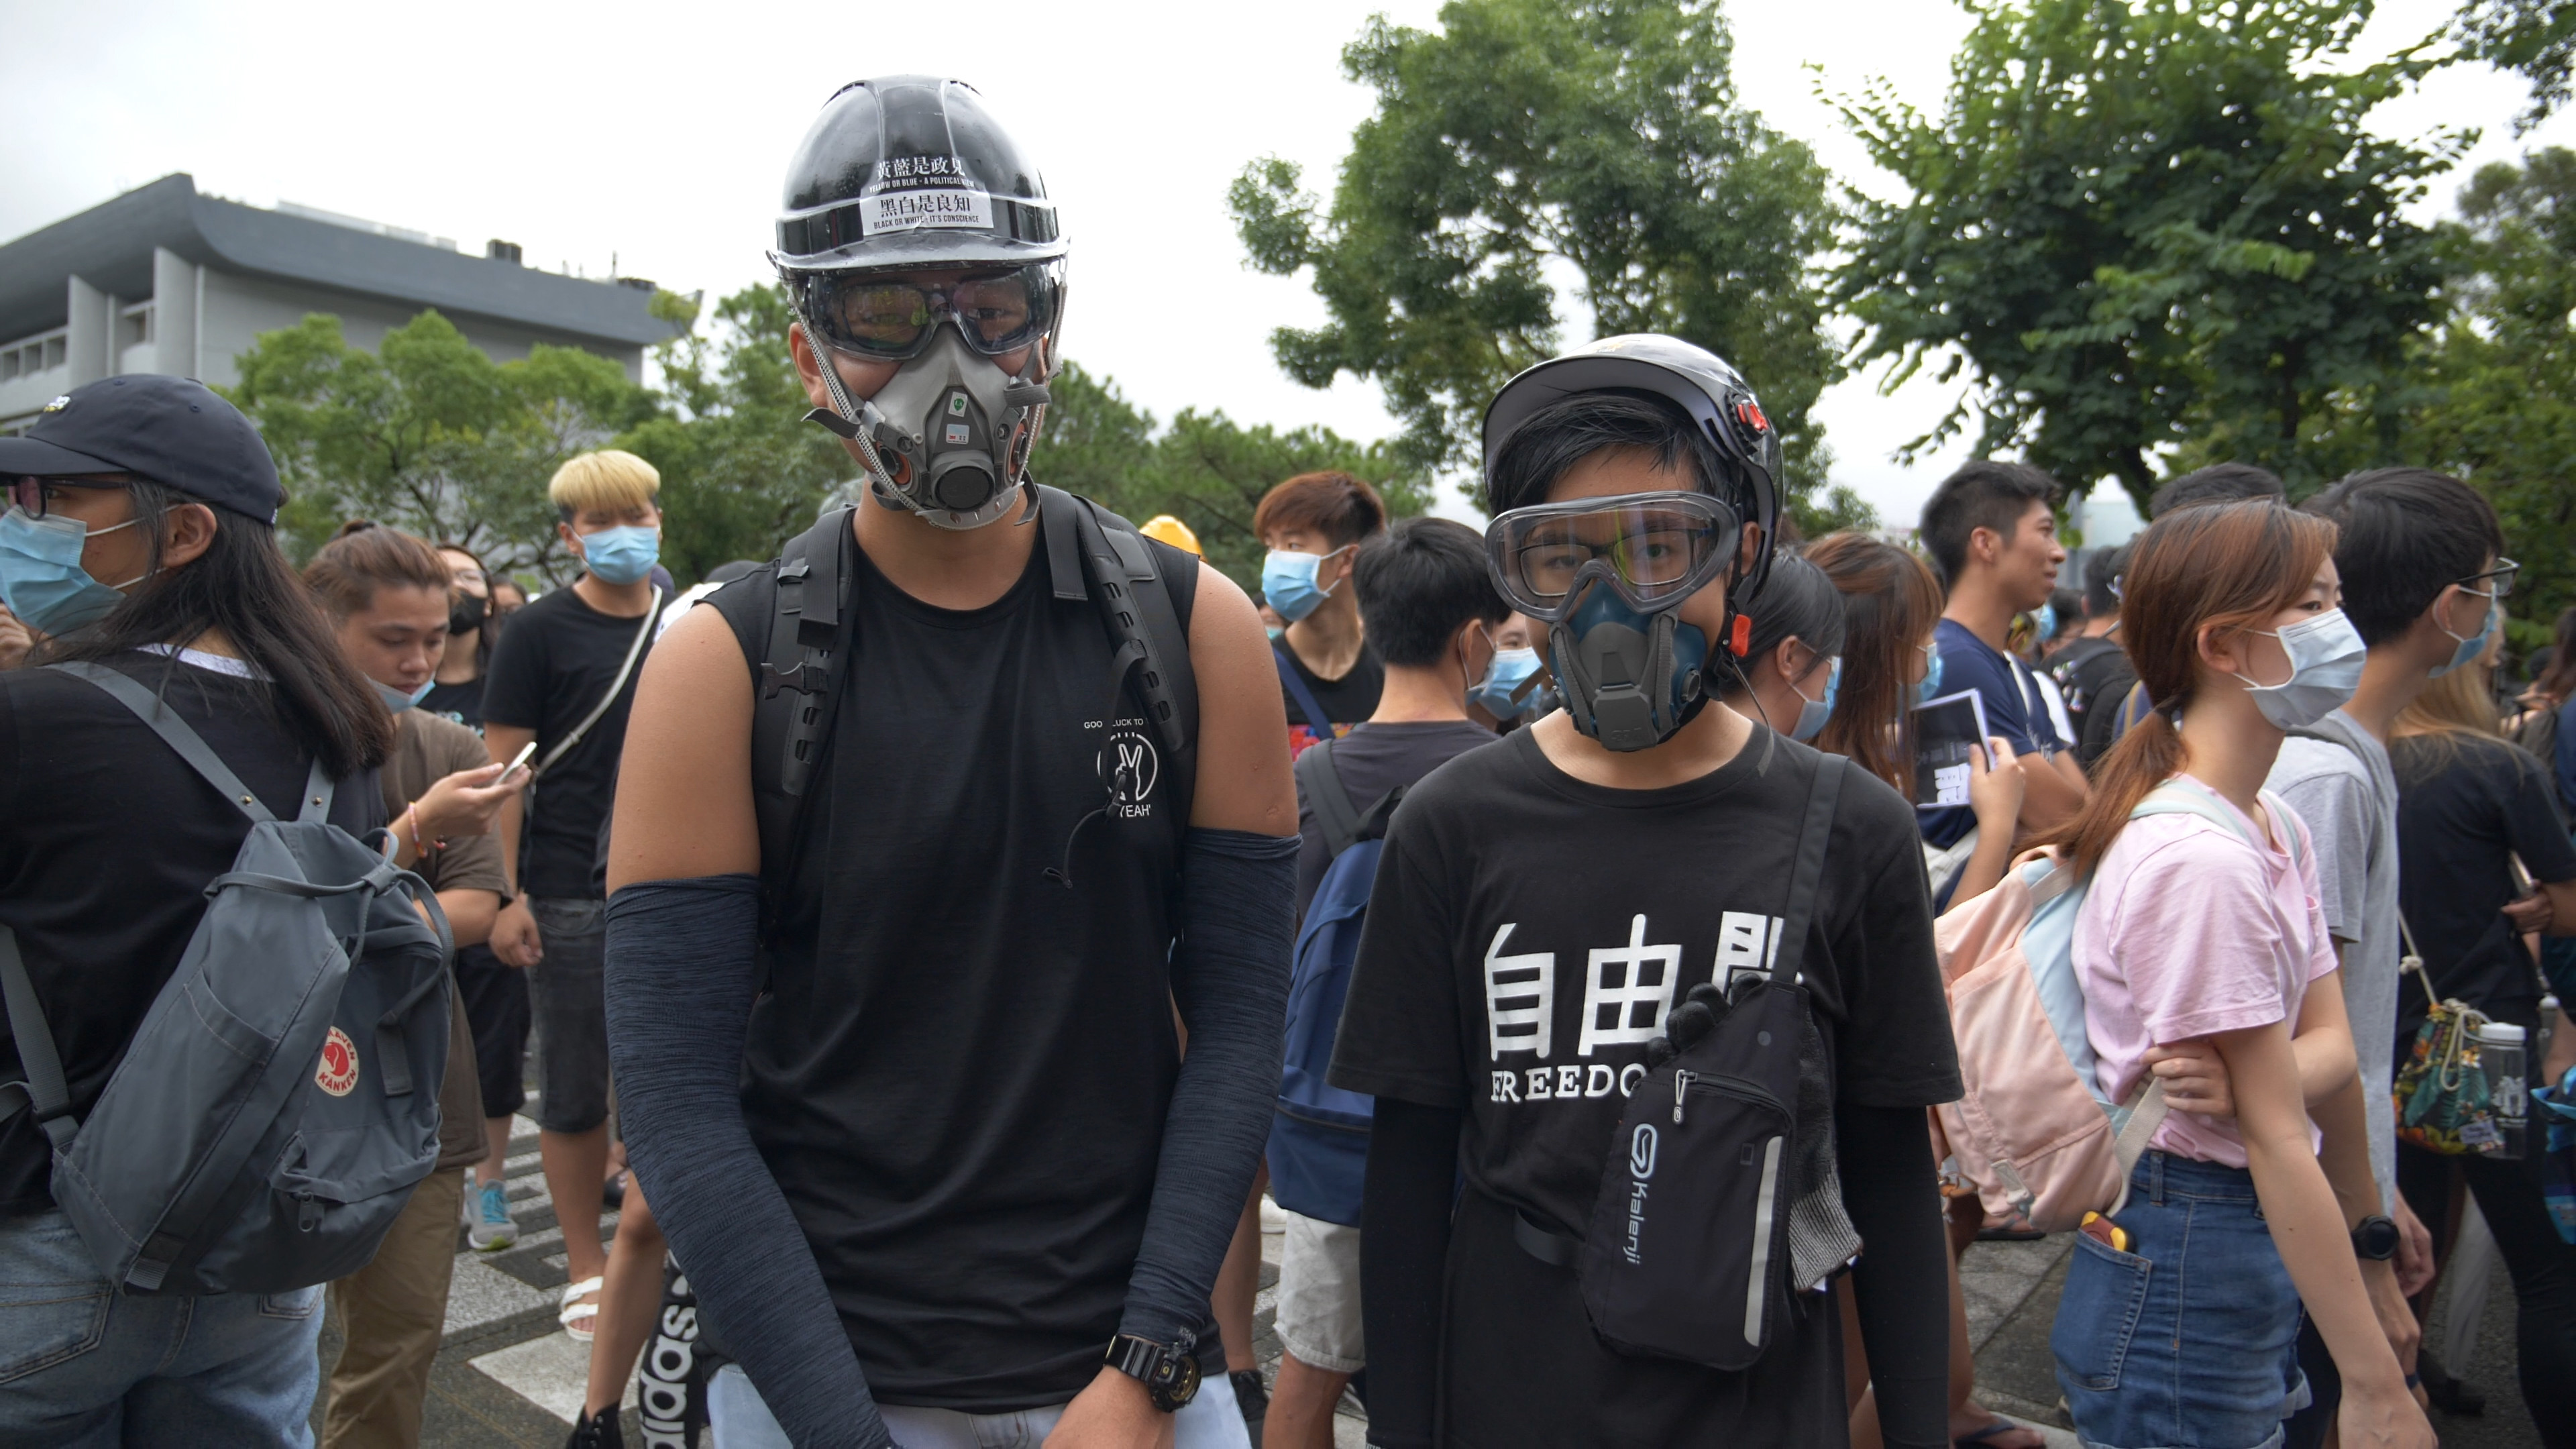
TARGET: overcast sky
(656,134)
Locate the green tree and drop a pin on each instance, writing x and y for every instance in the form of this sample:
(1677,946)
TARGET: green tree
(2153,225)
(428,433)
(742,471)
(1533,138)
(1205,469)
(2535,37)
(2504,416)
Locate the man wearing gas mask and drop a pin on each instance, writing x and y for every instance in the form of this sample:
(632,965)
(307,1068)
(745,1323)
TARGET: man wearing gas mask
(1637,904)
(923,831)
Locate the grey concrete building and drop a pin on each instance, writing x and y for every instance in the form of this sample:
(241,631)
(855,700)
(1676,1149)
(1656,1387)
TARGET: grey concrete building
(164,279)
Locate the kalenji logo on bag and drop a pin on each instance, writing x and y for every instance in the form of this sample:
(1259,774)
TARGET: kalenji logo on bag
(338,1072)
(1641,1165)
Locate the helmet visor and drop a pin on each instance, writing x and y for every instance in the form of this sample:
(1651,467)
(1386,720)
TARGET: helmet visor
(875,315)
(1655,549)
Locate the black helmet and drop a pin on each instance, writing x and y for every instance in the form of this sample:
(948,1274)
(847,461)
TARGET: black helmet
(912,171)
(1698,381)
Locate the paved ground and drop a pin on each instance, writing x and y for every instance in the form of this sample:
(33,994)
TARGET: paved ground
(507,1375)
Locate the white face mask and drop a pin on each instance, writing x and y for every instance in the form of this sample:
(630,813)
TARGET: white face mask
(2326,656)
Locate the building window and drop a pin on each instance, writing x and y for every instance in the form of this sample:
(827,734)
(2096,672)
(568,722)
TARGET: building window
(8,364)
(54,351)
(137,327)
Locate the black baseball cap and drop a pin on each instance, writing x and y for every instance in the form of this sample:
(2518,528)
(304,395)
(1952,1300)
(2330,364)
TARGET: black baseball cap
(173,431)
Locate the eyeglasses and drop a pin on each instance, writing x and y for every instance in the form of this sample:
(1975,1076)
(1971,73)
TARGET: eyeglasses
(887,317)
(2499,580)
(28,490)
(1649,547)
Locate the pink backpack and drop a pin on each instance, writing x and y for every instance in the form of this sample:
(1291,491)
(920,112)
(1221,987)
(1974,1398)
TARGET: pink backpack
(2034,1133)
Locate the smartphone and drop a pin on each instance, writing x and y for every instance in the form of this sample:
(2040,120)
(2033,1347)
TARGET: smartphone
(517,762)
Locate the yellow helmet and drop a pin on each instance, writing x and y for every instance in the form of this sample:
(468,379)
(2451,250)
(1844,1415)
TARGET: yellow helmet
(1164,528)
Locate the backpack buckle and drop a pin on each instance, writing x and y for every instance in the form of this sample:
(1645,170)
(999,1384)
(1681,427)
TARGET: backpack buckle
(805,678)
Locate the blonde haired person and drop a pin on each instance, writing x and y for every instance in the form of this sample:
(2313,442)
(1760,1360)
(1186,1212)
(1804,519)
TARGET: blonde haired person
(562,678)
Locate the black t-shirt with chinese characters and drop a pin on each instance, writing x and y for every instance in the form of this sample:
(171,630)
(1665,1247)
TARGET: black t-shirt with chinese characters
(2464,805)
(552,666)
(1527,934)
(1347,700)
(107,841)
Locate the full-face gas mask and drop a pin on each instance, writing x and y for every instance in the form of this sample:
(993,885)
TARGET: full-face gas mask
(1605,574)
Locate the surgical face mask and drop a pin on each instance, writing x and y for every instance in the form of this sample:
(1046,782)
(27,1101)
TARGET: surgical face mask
(466,614)
(948,438)
(1274,631)
(1288,582)
(1812,713)
(2476,644)
(2326,655)
(622,555)
(1629,679)
(1504,678)
(41,578)
(2043,624)
(1930,689)
(398,700)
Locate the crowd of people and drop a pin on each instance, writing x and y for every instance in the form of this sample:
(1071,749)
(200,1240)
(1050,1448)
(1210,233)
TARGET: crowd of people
(967,923)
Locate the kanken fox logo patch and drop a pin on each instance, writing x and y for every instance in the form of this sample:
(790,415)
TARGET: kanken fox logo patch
(338,1072)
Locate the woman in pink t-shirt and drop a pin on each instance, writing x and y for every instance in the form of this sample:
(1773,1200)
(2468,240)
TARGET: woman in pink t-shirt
(2179,1324)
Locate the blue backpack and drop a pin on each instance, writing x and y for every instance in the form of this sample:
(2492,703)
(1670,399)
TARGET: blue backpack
(1319,1133)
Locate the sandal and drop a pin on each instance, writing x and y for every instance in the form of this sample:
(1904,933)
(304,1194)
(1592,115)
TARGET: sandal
(580,1301)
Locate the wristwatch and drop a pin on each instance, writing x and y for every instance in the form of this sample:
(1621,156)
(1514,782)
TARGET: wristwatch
(2375,1238)
(1169,1372)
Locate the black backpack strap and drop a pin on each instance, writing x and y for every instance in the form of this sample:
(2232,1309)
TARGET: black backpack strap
(1144,627)
(185,742)
(1318,718)
(799,688)
(1320,781)
(43,1091)
(1809,872)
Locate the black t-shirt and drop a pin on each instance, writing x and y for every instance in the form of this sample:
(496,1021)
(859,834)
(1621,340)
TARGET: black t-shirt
(960,1074)
(553,664)
(1347,700)
(460,703)
(2461,811)
(107,841)
(1371,760)
(1526,936)
(2094,675)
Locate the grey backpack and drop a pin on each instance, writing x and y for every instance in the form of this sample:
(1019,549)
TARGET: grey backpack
(280,1100)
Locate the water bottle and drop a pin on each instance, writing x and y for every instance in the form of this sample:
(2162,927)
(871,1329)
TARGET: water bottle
(2500,1057)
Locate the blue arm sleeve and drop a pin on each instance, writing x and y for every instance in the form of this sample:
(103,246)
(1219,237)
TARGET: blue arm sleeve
(679,989)
(1230,980)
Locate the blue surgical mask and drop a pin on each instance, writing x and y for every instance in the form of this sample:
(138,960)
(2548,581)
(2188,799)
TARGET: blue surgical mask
(41,578)
(1274,631)
(1288,582)
(398,701)
(2043,623)
(2470,648)
(622,555)
(1812,713)
(2326,655)
(1510,670)
(1930,689)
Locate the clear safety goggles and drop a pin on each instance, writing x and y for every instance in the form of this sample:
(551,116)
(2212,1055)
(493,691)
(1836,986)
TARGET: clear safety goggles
(875,315)
(1652,549)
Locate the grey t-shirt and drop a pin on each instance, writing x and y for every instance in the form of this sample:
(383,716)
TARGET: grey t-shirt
(2345,789)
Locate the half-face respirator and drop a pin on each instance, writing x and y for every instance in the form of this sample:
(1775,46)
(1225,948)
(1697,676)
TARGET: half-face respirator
(1605,575)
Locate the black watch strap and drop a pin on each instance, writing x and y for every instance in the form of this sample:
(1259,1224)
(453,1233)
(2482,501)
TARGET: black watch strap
(1169,1372)
(2375,1238)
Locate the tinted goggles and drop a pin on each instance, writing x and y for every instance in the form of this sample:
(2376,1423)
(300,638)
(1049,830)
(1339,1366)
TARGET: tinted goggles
(1653,549)
(874,315)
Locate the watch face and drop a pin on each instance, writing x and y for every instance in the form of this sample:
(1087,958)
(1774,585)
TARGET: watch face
(2376,1238)
(1184,1385)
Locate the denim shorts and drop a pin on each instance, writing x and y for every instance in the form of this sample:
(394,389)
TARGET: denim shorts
(571,1014)
(2189,1340)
